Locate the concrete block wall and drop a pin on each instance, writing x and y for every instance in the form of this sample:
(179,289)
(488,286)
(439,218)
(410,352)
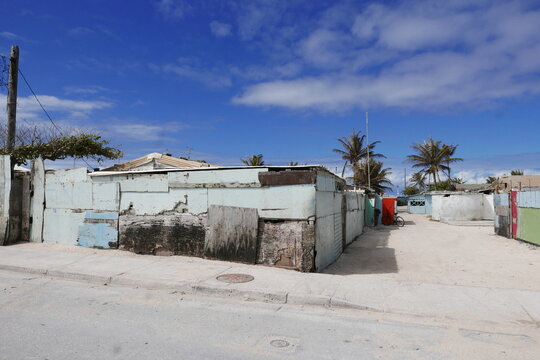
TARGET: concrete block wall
(303,219)
(462,207)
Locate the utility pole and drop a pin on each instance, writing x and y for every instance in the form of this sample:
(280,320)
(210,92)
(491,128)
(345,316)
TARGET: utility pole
(12,98)
(368,150)
(405,180)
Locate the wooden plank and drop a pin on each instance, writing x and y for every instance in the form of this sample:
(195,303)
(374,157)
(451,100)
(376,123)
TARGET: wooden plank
(37,201)
(232,234)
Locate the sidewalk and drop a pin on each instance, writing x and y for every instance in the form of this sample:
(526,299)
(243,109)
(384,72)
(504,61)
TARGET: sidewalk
(198,277)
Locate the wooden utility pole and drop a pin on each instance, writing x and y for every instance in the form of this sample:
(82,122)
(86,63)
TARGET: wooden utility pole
(12,97)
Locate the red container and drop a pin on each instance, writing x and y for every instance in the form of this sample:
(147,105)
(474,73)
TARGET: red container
(388,210)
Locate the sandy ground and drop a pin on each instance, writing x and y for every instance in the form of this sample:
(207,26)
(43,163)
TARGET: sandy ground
(429,251)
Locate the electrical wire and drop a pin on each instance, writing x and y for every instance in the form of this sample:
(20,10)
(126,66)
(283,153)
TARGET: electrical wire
(46,113)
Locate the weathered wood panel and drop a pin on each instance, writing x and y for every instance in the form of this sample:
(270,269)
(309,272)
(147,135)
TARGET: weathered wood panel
(5,190)
(37,202)
(171,234)
(232,234)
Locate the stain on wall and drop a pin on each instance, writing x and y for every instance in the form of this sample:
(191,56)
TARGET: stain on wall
(232,233)
(171,234)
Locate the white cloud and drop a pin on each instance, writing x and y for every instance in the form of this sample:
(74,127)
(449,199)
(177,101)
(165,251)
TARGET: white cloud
(28,108)
(173,9)
(423,55)
(220,29)
(80,31)
(10,36)
(189,69)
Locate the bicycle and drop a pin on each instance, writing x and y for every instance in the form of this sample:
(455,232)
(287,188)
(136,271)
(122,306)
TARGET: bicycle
(394,220)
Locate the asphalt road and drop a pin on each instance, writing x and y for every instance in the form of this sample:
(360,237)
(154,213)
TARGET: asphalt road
(42,318)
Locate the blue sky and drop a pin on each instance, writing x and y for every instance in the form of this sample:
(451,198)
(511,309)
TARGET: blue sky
(220,80)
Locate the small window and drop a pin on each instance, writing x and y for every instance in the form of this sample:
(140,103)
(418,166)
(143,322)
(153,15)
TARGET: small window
(418,203)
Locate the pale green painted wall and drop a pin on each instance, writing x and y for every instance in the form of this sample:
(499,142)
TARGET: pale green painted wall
(529,225)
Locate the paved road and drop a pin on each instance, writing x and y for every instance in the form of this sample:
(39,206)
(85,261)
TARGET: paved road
(43,318)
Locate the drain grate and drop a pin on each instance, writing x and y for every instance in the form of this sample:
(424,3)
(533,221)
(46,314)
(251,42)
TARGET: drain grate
(235,278)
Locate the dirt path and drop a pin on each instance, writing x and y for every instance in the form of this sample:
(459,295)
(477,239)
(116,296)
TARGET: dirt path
(429,251)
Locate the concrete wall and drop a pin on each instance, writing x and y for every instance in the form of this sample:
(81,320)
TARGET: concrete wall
(354,220)
(299,219)
(5,191)
(329,222)
(462,207)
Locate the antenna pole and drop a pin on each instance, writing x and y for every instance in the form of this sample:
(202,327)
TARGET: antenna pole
(368,150)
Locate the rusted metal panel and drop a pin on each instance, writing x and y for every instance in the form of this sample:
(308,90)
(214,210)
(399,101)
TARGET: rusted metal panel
(502,210)
(223,178)
(99,230)
(231,234)
(37,206)
(288,177)
(176,234)
(287,244)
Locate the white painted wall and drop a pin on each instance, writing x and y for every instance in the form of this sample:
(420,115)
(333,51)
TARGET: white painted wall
(462,207)
(355,215)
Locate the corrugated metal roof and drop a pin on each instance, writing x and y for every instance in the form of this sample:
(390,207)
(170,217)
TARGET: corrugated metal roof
(106,172)
(163,160)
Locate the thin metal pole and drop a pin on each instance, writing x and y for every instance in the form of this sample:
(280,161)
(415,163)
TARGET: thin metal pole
(368,149)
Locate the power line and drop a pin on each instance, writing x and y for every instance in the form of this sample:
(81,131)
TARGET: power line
(39,102)
(46,113)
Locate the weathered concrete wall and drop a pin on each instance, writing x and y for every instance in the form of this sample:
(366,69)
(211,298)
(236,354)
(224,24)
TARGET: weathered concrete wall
(230,214)
(169,234)
(354,221)
(231,233)
(287,244)
(329,234)
(466,207)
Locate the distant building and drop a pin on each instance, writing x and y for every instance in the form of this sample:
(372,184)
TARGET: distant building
(516,182)
(156,161)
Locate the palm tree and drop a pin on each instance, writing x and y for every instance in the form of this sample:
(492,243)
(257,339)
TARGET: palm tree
(292,163)
(433,157)
(450,151)
(491,179)
(516,172)
(378,177)
(418,180)
(353,149)
(254,160)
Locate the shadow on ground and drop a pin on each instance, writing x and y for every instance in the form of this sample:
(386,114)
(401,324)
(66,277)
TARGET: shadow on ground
(369,254)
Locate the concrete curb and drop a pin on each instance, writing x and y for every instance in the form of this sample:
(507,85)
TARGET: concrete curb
(276,297)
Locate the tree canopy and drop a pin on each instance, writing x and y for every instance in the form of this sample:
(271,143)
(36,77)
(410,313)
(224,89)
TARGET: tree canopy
(353,150)
(254,160)
(33,141)
(378,176)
